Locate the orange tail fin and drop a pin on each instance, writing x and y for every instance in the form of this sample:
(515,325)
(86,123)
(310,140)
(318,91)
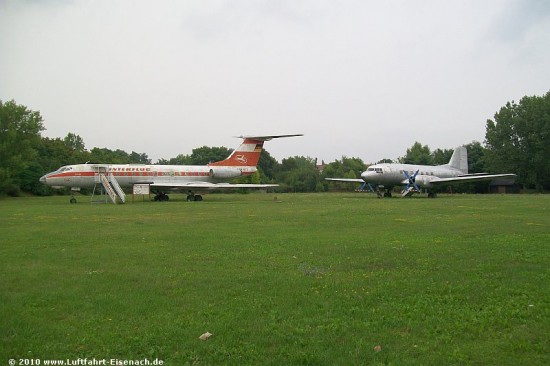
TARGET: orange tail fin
(247,154)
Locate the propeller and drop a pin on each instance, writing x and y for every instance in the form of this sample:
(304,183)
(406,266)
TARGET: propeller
(411,180)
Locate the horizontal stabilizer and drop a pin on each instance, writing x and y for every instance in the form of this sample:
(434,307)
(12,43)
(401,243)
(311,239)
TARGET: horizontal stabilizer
(268,138)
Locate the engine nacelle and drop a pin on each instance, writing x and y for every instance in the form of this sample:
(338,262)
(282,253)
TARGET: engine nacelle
(423,181)
(225,173)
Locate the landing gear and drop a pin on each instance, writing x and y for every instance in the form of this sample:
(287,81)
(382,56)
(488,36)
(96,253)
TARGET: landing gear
(385,194)
(161,197)
(432,195)
(191,197)
(73,198)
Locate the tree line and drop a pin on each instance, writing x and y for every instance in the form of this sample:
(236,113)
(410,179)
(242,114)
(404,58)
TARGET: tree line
(516,141)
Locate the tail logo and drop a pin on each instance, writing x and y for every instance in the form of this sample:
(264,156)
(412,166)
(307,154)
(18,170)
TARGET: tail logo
(241,159)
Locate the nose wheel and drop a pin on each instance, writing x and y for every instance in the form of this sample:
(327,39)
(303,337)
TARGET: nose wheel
(383,192)
(73,198)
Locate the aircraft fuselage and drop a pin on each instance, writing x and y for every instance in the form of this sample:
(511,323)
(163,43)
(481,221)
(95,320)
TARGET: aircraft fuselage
(87,175)
(394,174)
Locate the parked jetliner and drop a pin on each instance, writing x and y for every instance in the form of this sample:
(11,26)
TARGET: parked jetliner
(191,178)
(414,177)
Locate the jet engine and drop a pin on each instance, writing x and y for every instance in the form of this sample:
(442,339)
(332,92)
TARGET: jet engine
(225,173)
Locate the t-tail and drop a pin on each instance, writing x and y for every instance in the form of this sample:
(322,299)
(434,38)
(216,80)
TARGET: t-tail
(459,160)
(248,153)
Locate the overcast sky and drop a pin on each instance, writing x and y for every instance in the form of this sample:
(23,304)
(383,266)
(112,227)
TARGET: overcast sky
(359,78)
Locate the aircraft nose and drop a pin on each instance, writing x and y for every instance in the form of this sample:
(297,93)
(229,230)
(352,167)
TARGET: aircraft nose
(43,179)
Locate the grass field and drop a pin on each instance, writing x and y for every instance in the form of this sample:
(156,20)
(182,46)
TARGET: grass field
(301,279)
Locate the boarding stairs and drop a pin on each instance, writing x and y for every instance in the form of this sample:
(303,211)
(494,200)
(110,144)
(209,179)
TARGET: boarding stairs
(409,192)
(111,186)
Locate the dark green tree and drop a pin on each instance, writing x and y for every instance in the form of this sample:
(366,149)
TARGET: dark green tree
(268,166)
(267,169)
(298,174)
(199,156)
(74,142)
(204,155)
(137,158)
(417,154)
(344,168)
(476,157)
(107,156)
(441,156)
(20,130)
(517,141)
(178,160)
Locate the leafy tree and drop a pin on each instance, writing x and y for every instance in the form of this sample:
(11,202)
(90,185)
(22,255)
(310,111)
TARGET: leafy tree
(137,158)
(52,154)
(19,136)
(204,155)
(517,141)
(476,157)
(29,180)
(476,164)
(178,160)
(199,156)
(418,154)
(107,156)
(344,168)
(298,174)
(268,165)
(74,142)
(441,156)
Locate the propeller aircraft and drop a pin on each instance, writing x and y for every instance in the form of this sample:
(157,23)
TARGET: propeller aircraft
(414,177)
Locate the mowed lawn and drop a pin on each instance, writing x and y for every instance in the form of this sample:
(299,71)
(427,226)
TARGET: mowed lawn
(278,279)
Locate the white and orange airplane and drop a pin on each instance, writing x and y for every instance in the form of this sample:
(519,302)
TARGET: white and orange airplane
(189,178)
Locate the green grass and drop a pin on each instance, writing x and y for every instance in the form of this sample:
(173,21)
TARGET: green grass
(318,279)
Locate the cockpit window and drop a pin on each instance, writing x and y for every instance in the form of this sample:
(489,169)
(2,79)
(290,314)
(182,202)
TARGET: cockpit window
(64,169)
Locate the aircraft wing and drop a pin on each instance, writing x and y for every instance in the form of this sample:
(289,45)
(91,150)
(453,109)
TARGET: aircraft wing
(354,180)
(470,178)
(209,186)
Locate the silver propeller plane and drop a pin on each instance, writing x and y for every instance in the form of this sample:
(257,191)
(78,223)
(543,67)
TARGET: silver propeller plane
(415,177)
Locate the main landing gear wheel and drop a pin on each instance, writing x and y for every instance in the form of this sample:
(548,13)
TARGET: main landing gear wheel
(194,197)
(161,197)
